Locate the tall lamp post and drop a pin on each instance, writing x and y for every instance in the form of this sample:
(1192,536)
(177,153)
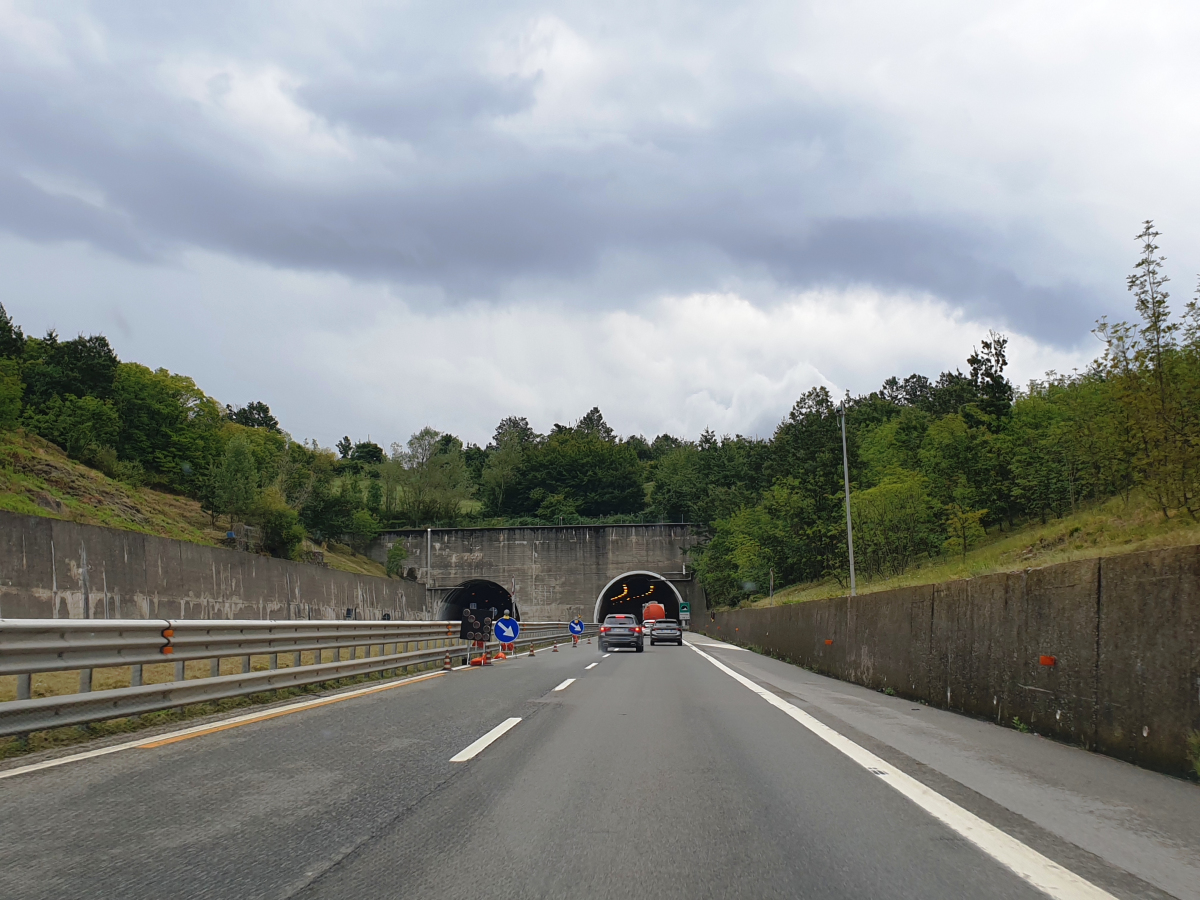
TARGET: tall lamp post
(846,478)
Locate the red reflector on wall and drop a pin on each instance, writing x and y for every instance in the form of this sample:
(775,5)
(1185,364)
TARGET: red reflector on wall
(1047,660)
(828,643)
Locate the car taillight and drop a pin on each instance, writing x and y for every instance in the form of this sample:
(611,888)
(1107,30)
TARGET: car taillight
(637,629)
(604,628)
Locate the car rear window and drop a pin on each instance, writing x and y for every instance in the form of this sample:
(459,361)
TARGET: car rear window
(620,620)
(669,622)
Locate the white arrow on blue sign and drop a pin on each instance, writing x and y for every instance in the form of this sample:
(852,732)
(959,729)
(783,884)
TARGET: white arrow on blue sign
(576,627)
(507,630)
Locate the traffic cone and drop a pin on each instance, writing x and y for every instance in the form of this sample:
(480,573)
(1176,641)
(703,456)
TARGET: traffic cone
(446,666)
(486,661)
(589,640)
(531,649)
(555,650)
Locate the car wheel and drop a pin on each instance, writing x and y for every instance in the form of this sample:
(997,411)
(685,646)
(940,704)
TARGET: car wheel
(603,649)
(640,648)
(679,642)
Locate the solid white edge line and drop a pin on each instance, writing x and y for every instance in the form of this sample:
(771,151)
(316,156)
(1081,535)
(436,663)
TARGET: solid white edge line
(566,684)
(1041,872)
(182,732)
(474,749)
(592,666)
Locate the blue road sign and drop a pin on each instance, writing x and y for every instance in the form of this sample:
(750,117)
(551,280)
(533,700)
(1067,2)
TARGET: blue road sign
(507,630)
(576,627)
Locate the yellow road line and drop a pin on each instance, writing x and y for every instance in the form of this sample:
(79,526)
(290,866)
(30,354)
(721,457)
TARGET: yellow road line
(275,714)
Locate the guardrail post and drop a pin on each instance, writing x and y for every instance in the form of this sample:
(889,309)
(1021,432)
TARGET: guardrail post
(24,686)
(135,676)
(180,674)
(85,680)
(274,660)
(214,667)
(245,664)
(296,658)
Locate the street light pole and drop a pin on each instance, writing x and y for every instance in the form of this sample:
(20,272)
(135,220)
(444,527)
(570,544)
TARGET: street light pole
(846,477)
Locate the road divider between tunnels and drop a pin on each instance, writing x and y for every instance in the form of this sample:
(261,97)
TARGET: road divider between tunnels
(1041,872)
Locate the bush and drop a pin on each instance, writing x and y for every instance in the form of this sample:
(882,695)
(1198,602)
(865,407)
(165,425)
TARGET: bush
(397,554)
(81,426)
(280,524)
(11,389)
(364,528)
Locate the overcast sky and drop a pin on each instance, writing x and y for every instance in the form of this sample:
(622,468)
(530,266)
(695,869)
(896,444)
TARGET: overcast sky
(376,216)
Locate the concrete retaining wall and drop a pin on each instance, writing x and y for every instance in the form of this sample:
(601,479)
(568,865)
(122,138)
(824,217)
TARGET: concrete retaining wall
(558,571)
(1124,633)
(55,569)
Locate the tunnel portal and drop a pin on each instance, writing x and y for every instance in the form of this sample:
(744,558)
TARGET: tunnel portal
(628,593)
(481,594)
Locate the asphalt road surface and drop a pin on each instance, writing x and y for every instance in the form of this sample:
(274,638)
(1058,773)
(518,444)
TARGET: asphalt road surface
(693,772)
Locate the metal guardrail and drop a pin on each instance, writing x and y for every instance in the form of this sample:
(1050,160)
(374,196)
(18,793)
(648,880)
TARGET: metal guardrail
(33,646)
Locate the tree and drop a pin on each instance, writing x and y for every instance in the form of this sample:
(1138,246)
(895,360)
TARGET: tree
(964,528)
(435,481)
(344,446)
(396,555)
(994,391)
(236,480)
(282,532)
(12,338)
(81,426)
(11,388)
(82,367)
(364,528)
(255,414)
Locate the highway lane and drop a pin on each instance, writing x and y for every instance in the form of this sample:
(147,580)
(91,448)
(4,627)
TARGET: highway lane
(654,774)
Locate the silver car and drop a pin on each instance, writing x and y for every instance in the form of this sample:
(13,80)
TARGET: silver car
(666,631)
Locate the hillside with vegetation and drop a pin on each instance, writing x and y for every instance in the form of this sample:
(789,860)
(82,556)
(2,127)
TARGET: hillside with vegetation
(952,474)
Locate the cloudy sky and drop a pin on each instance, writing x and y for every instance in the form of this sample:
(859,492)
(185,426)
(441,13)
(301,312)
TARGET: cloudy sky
(375,216)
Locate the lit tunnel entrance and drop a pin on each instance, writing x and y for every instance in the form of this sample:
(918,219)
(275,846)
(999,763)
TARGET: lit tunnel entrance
(480,594)
(628,593)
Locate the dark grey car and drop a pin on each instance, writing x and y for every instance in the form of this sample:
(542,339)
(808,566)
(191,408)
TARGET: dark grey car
(620,631)
(666,631)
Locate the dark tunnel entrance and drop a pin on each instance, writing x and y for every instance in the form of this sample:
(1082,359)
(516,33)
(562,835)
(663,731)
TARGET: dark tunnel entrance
(628,593)
(478,593)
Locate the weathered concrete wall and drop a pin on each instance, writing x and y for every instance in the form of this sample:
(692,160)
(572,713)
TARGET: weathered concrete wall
(559,572)
(55,569)
(1124,632)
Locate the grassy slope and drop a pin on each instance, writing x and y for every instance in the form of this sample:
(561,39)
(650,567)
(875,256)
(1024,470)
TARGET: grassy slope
(1105,530)
(37,479)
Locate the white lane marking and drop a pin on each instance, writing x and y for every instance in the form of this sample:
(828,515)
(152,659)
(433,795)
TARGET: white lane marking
(566,684)
(716,646)
(224,723)
(1041,872)
(606,656)
(474,749)
(592,666)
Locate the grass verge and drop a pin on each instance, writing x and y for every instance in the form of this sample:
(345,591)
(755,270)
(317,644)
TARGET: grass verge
(1107,529)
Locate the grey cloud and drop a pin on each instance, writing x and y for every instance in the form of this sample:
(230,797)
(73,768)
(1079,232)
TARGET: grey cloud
(754,192)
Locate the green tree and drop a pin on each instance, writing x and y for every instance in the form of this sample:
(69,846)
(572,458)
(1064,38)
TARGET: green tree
(236,480)
(11,388)
(363,529)
(282,532)
(81,426)
(964,528)
(396,556)
(12,338)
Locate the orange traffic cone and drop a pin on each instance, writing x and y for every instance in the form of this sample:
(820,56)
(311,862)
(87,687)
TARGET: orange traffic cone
(446,666)
(555,650)
(531,649)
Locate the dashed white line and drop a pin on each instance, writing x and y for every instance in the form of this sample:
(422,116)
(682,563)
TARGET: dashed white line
(1041,872)
(566,684)
(592,666)
(606,656)
(474,749)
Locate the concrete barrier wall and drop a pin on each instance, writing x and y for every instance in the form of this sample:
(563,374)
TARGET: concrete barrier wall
(55,569)
(1124,633)
(558,572)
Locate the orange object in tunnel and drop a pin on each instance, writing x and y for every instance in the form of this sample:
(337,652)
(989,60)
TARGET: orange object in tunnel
(652,611)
